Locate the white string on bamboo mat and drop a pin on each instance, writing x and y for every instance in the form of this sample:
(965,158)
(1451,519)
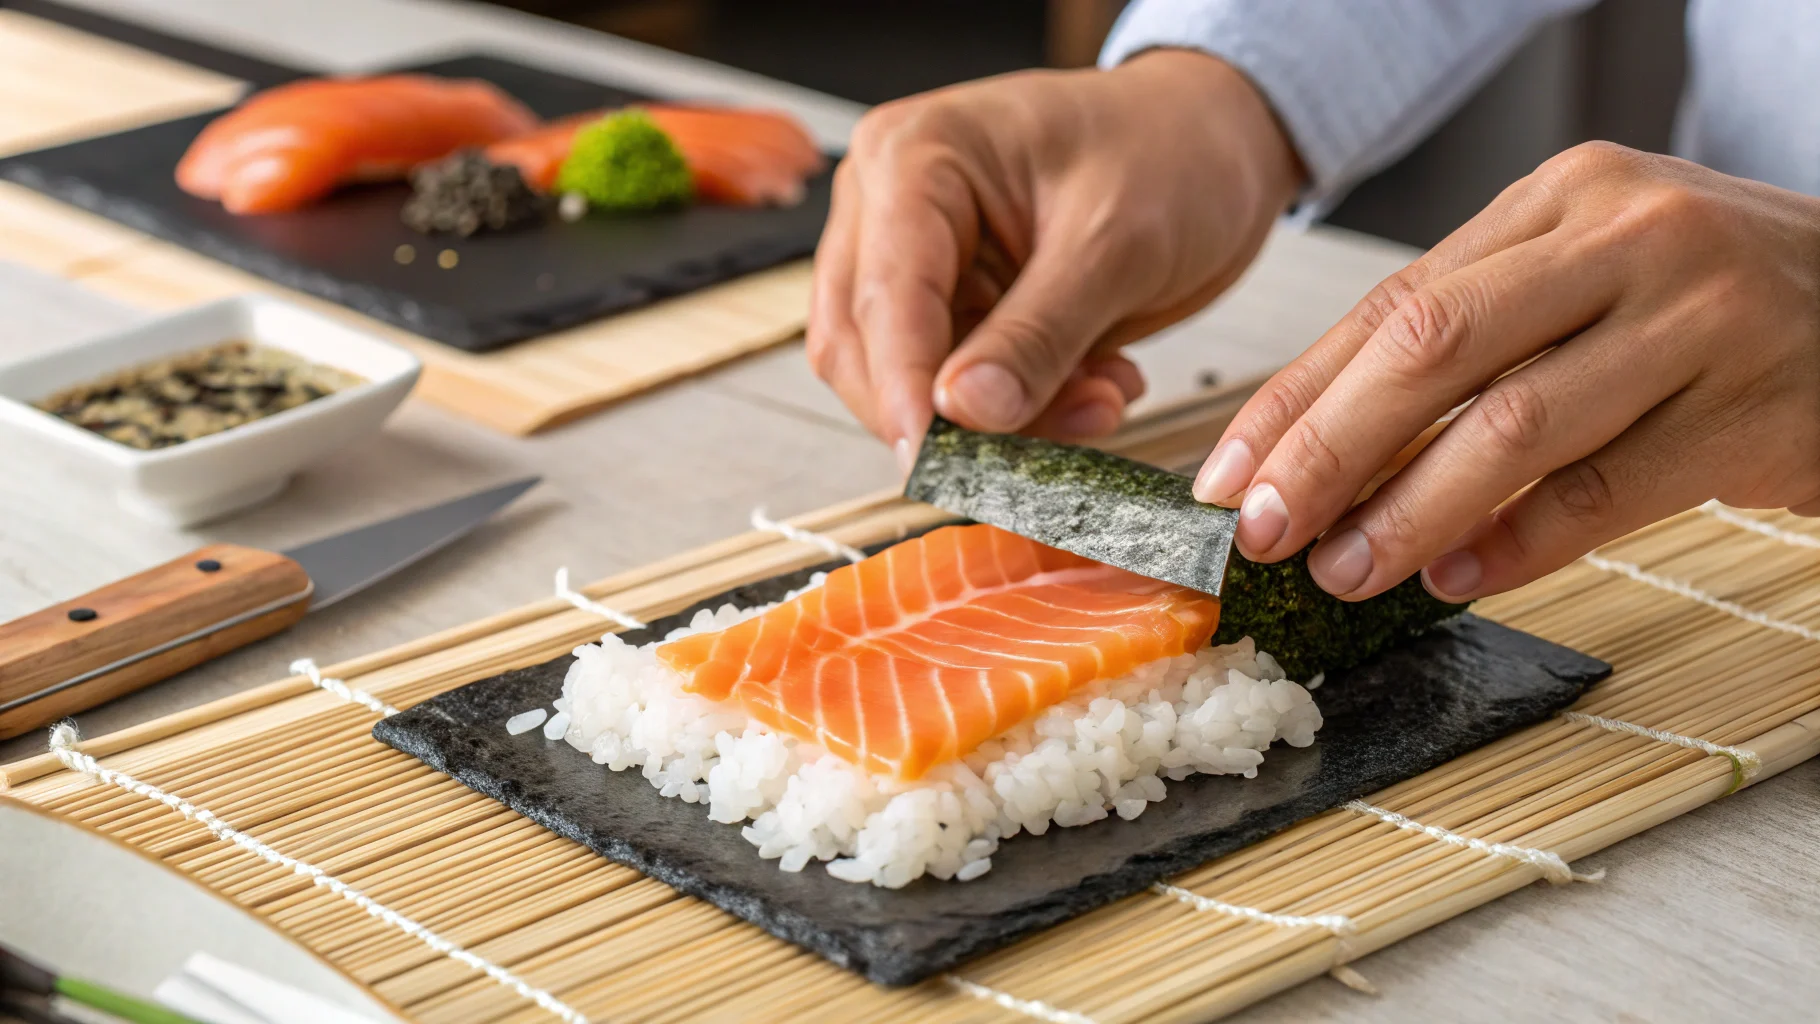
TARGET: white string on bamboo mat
(1339,924)
(1745,763)
(1725,514)
(1631,571)
(307,667)
(1551,865)
(63,744)
(587,604)
(760,521)
(1027,1007)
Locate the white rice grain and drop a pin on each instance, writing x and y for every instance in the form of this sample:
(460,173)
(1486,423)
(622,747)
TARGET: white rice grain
(525,721)
(1106,750)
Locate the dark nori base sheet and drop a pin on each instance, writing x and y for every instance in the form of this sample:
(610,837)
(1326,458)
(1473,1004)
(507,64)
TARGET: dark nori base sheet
(506,286)
(1450,691)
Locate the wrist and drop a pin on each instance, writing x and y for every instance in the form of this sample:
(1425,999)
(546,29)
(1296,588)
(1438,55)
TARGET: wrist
(1199,83)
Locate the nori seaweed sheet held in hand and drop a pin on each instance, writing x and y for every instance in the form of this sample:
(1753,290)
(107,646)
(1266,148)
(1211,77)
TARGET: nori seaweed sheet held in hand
(1147,520)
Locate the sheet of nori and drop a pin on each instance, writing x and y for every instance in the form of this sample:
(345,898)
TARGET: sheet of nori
(506,285)
(1147,520)
(1450,691)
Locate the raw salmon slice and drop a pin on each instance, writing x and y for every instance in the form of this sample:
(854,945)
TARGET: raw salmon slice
(921,653)
(738,156)
(291,145)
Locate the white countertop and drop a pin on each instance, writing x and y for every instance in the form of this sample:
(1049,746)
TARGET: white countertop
(1716,914)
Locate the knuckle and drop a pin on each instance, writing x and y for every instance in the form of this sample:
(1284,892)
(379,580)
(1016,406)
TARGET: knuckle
(1036,350)
(884,131)
(1284,399)
(1512,416)
(878,126)
(1383,300)
(821,345)
(1397,527)
(1582,493)
(1313,457)
(1668,212)
(1591,160)
(1425,331)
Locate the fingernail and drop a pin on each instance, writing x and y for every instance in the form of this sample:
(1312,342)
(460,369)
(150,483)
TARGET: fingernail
(1091,420)
(906,459)
(1263,518)
(1226,472)
(1454,575)
(990,395)
(1341,563)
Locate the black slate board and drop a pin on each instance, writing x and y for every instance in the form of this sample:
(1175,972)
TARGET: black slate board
(1451,691)
(507,286)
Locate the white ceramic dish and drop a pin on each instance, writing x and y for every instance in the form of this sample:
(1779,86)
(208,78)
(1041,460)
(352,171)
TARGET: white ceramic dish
(221,473)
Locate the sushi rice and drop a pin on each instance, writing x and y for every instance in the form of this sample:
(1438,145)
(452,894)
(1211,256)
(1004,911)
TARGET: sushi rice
(1106,750)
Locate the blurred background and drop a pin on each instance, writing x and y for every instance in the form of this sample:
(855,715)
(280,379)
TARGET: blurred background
(1613,73)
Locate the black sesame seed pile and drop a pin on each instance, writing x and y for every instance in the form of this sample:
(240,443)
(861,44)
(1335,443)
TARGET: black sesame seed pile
(180,399)
(464,193)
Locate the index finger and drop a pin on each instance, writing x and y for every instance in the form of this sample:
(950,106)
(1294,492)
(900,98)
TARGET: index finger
(1520,213)
(917,228)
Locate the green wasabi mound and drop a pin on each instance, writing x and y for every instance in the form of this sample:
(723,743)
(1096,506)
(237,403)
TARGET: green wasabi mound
(624,162)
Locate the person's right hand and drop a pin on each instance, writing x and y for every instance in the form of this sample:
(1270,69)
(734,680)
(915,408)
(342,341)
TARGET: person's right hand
(1040,220)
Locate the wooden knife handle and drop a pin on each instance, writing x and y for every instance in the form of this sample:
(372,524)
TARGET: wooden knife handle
(133,633)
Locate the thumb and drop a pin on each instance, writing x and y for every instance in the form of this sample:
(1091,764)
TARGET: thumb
(1015,362)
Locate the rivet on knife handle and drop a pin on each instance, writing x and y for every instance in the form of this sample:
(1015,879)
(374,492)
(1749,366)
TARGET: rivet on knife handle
(139,630)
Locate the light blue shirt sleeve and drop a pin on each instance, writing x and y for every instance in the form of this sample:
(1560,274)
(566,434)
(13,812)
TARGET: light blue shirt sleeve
(1356,83)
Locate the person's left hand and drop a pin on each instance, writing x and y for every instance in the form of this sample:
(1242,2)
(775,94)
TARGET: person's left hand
(1642,334)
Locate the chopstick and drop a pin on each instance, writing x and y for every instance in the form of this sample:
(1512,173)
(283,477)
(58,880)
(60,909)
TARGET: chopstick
(17,974)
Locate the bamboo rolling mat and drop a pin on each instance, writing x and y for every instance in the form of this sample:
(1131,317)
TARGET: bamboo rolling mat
(59,84)
(1711,619)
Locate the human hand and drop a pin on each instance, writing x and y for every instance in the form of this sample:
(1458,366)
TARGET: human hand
(1642,335)
(1042,220)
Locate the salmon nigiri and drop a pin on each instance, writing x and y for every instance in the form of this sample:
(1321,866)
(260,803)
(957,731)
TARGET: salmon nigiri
(916,656)
(293,144)
(738,156)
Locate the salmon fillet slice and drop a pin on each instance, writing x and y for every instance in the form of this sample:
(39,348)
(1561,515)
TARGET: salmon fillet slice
(737,156)
(919,654)
(291,145)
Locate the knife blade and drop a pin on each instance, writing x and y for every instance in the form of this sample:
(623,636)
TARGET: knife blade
(150,626)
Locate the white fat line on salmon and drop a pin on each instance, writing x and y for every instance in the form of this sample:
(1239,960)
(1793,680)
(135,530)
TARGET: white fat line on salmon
(587,604)
(352,694)
(760,521)
(1745,763)
(1725,514)
(1632,571)
(1027,1007)
(63,744)
(1549,863)
(1339,924)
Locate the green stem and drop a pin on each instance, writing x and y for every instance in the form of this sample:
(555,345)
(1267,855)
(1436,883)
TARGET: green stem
(138,1011)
